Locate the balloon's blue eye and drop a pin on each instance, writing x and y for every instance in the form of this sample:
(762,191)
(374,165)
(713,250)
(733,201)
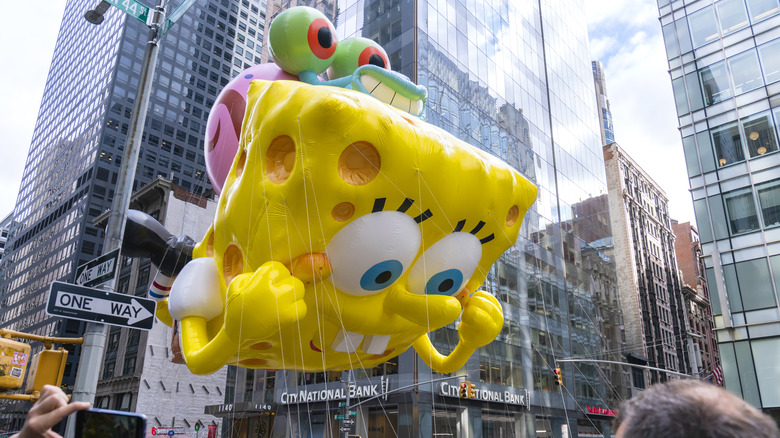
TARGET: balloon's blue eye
(381,275)
(444,283)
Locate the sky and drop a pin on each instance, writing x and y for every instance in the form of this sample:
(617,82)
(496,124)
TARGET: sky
(625,36)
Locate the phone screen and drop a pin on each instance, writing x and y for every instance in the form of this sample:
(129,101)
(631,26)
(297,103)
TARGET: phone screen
(96,423)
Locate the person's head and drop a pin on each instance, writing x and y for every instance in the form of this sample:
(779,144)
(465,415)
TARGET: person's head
(691,409)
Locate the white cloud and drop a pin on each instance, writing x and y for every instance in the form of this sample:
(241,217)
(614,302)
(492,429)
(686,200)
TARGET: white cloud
(600,47)
(27,53)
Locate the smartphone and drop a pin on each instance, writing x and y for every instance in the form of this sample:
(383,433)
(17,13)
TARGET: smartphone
(104,423)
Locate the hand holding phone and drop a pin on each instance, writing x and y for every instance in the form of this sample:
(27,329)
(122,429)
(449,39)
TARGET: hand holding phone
(52,406)
(103,423)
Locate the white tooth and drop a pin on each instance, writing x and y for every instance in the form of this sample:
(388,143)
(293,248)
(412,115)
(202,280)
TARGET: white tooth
(369,82)
(383,93)
(347,342)
(402,103)
(416,107)
(376,344)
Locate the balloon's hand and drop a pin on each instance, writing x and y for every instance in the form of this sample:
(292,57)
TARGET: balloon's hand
(481,321)
(259,304)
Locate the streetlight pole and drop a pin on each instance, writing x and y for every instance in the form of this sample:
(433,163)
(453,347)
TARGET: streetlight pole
(95,334)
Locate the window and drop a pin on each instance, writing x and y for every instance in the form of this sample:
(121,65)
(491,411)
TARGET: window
(732,15)
(715,83)
(704,28)
(769,203)
(129,367)
(727,143)
(770,60)
(108,369)
(759,134)
(761,9)
(755,285)
(745,72)
(113,341)
(741,211)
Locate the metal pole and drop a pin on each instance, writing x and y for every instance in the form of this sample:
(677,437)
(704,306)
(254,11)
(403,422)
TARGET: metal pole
(645,367)
(95,334)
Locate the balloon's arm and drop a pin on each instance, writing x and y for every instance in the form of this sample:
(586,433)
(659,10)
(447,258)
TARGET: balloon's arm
(311,78)
(481,322)
(437,361)
(204,356)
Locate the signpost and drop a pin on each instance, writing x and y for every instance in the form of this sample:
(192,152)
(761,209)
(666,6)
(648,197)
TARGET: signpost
(133,8)
(175,15)
(94,305)
(97,271)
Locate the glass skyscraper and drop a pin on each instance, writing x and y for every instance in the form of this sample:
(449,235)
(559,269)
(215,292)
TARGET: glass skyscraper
(80,133)
(515,79)
(724,61)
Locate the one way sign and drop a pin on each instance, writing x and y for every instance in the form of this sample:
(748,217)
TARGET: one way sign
(97,271)
(87,304)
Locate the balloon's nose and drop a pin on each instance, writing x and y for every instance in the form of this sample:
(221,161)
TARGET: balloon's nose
(309,267)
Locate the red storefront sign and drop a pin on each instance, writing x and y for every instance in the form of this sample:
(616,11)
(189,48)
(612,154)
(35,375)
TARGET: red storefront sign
(600,411)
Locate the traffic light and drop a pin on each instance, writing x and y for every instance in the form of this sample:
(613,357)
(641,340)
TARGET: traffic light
(463,390)
(472,392)
(558,377)
(14,357)
(46,368)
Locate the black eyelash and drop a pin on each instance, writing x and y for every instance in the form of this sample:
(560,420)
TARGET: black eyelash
(460,226)
(405,205)
(476,230)
(425,215)
(379,205)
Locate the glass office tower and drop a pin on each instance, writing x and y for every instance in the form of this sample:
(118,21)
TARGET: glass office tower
(80,133)
(515,79)
(724,61)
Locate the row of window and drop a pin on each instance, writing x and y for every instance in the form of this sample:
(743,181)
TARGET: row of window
(709,24)
(739,211)
(726,144)
(728,78)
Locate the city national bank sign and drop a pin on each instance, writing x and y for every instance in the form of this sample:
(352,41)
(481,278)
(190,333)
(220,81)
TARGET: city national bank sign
(468,390)
(328,394)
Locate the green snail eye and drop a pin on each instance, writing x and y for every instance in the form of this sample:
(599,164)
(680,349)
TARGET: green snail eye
(357,52)
(302,39)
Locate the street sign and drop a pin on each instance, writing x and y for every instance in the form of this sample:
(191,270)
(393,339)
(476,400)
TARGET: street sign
(133,8)
(175,15)
(342,404)
(344,429)
(341,417)
(98,270)
(352,413)
(87,304)
(348,421)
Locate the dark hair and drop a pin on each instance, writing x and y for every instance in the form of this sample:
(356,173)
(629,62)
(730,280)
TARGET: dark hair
(692,409)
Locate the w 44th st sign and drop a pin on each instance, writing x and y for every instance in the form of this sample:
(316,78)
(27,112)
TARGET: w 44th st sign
(95,305)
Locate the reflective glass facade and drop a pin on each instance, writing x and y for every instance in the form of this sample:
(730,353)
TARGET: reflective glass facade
(79,137)
(515,79)
(723,59)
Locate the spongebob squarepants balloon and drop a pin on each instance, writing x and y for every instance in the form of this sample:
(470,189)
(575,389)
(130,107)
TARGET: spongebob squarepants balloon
(347,228)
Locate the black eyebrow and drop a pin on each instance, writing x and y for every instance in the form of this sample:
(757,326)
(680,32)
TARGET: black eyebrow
(405,205)
(487,239)
(460,226)
(379,205)
(477,228)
